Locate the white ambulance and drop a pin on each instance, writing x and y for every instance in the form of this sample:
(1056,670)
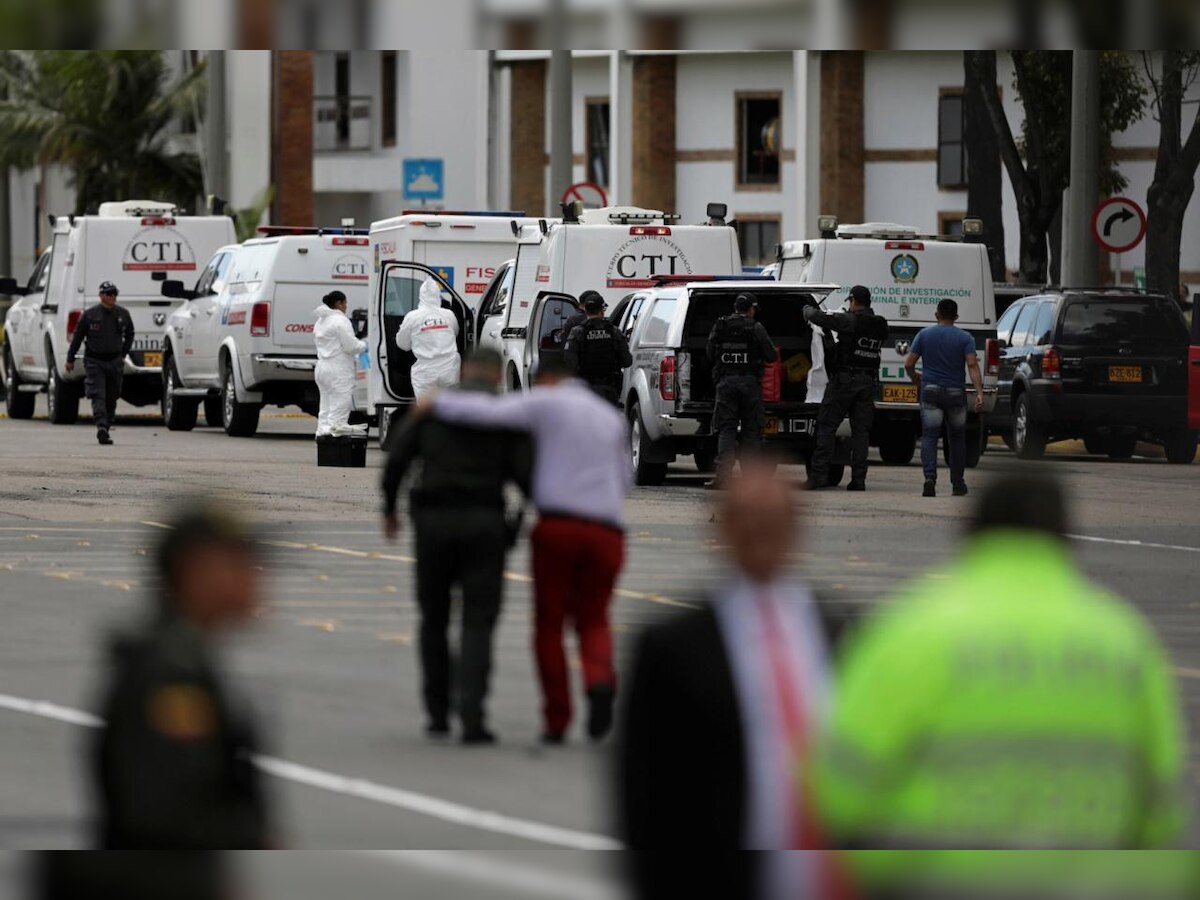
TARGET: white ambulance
(907,274)
(136,244)
(243,336)
(615,251)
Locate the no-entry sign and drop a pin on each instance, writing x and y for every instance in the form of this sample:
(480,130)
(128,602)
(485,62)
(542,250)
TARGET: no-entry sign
(591,195)
(1118,224)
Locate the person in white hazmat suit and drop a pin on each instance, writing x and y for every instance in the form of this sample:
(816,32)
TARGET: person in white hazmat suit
(337,347)
(430,333)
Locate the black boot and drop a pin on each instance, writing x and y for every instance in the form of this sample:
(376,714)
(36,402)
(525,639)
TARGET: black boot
(102,436)
(600,710)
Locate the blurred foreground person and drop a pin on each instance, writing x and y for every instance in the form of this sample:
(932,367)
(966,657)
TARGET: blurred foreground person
(337,346)
(581,475)
(463,536)
(724,702)
(173,764)
(95,874)
(1009,703)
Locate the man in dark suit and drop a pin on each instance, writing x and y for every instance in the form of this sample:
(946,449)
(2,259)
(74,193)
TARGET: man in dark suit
(723,703)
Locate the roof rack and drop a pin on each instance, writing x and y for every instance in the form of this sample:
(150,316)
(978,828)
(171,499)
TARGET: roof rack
(302,230)
(490,213)
(1098,289)
(661,280)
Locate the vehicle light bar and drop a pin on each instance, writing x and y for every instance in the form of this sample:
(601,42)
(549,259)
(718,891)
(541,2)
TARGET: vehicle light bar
(158,220)
(488,213)
(650,229)
(301,230)
(904,245)
(351,242)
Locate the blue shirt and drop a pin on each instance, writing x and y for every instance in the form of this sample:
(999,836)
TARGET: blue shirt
(943,350)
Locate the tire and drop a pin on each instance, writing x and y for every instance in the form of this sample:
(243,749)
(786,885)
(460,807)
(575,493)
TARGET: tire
(1009,441)
(62,398)
(897,447)
(706,460)
(239,419)
(17,403)
(976,444)
(179,413)
(212,412)
(646,474)
(1181,447)
(1120,446)
(1095,445)
(1029,440)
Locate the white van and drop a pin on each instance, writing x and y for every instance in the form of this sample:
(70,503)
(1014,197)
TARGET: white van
(907,274)
(615,251)
(243,336)
(136,244)
(464,248)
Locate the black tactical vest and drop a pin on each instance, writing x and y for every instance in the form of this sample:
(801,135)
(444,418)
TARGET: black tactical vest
(737,350)
(862,347)
(597,350)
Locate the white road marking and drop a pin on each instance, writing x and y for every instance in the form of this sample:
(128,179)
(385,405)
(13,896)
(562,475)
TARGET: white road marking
(1132,543)
(435,807)
(488,872)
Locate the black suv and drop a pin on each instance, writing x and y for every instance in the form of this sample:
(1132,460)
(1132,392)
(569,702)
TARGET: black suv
(1108,366)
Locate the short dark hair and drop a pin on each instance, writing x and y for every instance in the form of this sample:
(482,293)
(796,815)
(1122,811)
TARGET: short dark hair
(333,298)
(1023,502)
(947,309)
(860,294)
(201,523)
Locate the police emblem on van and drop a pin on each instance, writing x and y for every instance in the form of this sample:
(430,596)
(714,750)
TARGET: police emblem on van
(905,268)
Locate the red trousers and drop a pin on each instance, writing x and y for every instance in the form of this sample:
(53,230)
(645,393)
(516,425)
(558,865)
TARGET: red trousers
(575,565)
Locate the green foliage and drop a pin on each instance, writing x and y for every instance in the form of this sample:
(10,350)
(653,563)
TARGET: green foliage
(245,220)
(104,115)
(1043,84)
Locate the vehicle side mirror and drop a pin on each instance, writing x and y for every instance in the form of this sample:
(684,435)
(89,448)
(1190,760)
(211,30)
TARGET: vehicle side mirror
(1001,343)
(10,288)
(176,291)
(358,319)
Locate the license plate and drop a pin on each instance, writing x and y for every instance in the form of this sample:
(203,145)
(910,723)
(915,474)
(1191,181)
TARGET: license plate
(151,360)
(772,426)
(899,393)
(1128,374)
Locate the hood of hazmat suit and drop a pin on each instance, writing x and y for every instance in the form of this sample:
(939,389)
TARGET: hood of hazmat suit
(430,333)
(336,349)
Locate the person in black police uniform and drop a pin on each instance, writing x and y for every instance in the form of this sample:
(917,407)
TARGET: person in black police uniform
(108,331)
(597,351)
(173,763)
(580,316)
(852,384)
(738,349)
(462,537)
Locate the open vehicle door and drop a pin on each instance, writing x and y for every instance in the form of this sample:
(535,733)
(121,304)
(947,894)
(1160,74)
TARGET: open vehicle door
(546,335)
(399,293)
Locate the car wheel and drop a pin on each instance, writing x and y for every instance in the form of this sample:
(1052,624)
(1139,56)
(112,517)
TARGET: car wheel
(1181,447)
(213,416)
(240,419)
(179,413)
(706,459)
(647,474)
(1009,441)
(1120,446)
(1029,440)
(62,398)
(17,403)
(897,447)
(1095,445)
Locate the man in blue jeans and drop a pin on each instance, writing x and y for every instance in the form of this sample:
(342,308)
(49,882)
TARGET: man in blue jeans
(945,350)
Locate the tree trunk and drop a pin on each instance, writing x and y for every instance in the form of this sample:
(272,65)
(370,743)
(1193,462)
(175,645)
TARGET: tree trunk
(983,156)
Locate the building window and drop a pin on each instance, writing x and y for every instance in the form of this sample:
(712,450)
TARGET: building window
(341,90)
(759,135)
(387,103)
(952,151)
(950,223)
(758,237)
(597,121)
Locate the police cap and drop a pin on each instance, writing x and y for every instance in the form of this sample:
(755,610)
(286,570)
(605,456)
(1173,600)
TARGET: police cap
(744,302)
(592,301)
(107,287)
(861,295)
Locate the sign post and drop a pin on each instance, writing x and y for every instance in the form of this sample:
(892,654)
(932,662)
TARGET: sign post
(1118,226)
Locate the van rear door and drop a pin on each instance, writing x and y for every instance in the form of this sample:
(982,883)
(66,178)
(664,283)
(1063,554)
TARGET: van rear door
(547,333)
(398,295)
(304,271)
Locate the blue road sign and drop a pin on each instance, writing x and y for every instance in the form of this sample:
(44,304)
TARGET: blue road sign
(424,179)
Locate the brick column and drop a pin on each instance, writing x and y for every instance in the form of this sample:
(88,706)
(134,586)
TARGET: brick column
(842,173)
(292,137)
(527,141)
(654,132)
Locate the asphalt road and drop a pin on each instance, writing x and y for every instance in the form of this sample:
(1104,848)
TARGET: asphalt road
(332,664)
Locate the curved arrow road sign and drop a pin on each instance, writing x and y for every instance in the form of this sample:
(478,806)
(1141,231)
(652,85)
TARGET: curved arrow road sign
(1118,224)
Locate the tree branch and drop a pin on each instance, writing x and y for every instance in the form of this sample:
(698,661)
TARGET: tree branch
(1009,154)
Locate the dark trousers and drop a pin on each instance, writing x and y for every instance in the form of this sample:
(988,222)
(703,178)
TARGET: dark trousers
(608,388)
(739,402)
(944,405)
(575,565)
(102,384)
(849,393)
(464,547)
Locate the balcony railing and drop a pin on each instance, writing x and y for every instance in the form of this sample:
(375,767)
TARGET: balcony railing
(341,123)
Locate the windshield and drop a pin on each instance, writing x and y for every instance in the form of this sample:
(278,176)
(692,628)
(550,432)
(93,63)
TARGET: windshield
(1112,321)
